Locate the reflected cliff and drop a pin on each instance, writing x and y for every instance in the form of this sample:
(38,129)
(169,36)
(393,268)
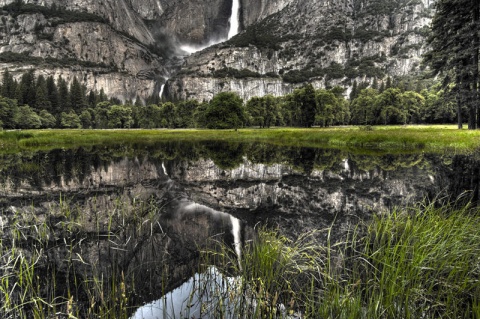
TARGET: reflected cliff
(146,211)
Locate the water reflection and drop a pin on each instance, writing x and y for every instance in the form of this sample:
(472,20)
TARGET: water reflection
(205,295)
(143,213)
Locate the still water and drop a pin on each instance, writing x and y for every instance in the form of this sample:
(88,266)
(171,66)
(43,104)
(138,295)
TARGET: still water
(144,213)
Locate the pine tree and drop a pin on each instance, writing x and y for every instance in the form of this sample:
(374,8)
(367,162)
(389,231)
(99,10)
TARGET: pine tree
(52,94)
(27,88)
(64,104)
(308,106)
(92,99)
(8,85)
(454,52)
(77,96)
(41,95)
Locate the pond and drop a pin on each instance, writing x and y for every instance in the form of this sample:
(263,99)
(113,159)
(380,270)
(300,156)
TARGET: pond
(104,230)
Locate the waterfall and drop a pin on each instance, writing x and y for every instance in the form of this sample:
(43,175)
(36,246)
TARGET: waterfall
(234,19)
(237,240)
(161,90)
(234,29)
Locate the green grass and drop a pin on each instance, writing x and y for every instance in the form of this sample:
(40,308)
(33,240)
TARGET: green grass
(420,262)
(413,263)
(387,138)
(36,283)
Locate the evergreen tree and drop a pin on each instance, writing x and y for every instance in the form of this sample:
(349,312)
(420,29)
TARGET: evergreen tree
(101,97)
(8,113)
(308,105)
(138,101)
(389,84)
(185,111)
(454,54)
(41,95)
(27,88)
(77,96)
(64,104)
(92,99)
(52,94)
(8,85)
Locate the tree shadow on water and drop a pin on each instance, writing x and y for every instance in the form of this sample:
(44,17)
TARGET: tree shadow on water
(225,155)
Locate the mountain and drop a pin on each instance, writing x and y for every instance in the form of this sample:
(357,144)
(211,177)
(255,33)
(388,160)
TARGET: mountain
(131,48)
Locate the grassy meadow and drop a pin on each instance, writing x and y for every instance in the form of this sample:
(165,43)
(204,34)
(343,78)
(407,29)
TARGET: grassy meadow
(388,138)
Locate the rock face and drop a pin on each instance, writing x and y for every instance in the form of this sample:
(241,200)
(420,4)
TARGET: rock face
(322,42)
(130,47)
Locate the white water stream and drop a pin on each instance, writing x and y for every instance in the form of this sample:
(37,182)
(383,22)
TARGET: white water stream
(161,90)
(232,31)
(234,19)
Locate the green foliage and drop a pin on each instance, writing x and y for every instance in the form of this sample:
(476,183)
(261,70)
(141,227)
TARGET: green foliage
(363,108)
(261,35)
(455,53)
(77,96)
(413,262)
(263,111)
(47,119)
(70,120)
(307,103)
(86,118)
(332,109)
(119,116)
(8,113)
(185,113)
(168,112)
(28,118)
(149,116)
(225,111)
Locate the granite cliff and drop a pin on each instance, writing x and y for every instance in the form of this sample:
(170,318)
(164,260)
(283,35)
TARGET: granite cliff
(132,47)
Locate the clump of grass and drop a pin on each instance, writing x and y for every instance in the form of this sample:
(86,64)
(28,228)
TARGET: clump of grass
(272,273)
(46,272)
(423,263)
(413,263)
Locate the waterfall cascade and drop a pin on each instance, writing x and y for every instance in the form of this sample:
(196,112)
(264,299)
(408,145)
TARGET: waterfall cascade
(232,31)
(234,19)
(161,90)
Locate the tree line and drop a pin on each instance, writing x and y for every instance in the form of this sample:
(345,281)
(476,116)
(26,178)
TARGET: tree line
(39,102)
(455,55)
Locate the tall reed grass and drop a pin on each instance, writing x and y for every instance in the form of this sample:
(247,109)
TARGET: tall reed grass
(420,262)
(46,271)
(413,263)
